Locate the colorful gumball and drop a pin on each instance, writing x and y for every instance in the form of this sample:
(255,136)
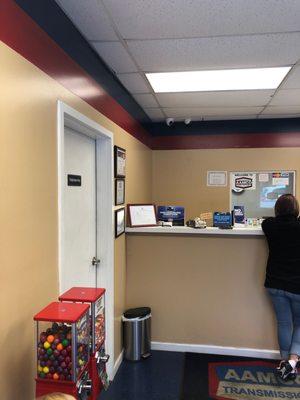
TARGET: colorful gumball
(49,376)
(56,353)
(46,370)
(58,347)
(67,360)
(49,351)
(50,338)
(47,345)
(55,376)
(65,342)
(42,375)
(59,370)
(40,369)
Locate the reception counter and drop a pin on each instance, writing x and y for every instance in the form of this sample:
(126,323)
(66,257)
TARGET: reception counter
(184,230)
(205,288)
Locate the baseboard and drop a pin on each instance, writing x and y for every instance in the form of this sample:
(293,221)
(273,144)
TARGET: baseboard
(117,364)
(211,349)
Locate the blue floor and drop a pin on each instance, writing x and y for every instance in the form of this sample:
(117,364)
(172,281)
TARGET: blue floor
(157,378)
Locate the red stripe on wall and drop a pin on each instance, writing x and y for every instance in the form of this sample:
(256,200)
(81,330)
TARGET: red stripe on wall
(24,36)
(225,141)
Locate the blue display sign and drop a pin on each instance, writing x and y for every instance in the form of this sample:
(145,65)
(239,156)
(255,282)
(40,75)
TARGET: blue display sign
(239,214)
(172,214)
(222,219)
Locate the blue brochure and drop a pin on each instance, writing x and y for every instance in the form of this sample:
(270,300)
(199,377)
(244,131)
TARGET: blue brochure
(222,219)
(239,214)
(172,214)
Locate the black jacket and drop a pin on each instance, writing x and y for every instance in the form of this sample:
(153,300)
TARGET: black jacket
(283,267)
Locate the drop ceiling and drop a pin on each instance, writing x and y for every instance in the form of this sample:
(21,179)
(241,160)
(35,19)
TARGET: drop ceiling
(138,36)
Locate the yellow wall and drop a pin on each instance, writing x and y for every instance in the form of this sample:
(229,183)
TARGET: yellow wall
(179,176)
(202,290)
(28,211)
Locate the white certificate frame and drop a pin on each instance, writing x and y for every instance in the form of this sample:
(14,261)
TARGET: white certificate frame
(215,177)
(142,215)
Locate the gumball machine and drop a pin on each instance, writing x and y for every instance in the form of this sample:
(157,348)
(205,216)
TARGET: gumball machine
(62,348)
(95,297)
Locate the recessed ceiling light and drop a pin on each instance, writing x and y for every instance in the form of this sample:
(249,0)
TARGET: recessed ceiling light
(217,80)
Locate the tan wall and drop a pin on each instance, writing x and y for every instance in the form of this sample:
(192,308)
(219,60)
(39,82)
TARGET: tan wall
(202,290)
(28,211)
(179,176)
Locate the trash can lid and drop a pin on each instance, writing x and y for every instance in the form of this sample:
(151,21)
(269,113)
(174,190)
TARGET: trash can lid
(137,312)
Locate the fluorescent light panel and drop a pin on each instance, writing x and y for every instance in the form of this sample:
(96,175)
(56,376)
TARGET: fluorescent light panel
(217,80)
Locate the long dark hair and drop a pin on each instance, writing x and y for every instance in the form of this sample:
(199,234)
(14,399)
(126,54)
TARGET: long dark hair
(287,204)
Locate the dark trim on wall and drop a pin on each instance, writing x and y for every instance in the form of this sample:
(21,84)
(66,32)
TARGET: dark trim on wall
(275,125)
(23,35)
(224,141)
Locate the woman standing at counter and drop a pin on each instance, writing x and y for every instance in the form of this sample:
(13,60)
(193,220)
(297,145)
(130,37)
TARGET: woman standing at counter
(283,280)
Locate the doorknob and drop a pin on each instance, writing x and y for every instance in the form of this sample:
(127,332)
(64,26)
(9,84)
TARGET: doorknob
(95,261)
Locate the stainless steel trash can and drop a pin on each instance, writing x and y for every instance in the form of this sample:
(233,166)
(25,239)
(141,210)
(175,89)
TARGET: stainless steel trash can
(137,333)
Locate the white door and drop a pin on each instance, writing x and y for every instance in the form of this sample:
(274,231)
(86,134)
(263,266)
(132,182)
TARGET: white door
(79,217)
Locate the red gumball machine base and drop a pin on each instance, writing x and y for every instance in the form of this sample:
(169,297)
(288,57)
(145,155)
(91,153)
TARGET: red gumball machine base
(97,384)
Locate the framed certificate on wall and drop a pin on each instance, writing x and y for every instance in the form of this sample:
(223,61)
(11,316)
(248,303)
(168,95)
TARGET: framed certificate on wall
(120,162)
(142,215)
(119,191)
(119,222)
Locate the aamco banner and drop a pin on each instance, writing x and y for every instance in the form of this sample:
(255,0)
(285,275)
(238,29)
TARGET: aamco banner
(249,380)
(243,181)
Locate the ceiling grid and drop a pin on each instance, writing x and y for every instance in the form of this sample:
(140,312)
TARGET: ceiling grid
(134,37)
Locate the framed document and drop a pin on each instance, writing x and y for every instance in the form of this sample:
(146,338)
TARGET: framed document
(119,191)
(120,162)
(119,222)
(142,215)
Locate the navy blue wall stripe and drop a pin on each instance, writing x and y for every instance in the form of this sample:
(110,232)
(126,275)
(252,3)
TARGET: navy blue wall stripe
(49,16)
(275,125)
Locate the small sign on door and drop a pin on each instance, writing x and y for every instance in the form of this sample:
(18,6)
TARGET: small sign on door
(74,180)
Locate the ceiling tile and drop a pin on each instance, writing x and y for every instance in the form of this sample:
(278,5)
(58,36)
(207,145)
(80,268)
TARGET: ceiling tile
(134,83)
(282,110)
(155,114)
(218,52)
(115,55)
(292,81)
(201,112)
(286,97)
(215,99)
(90,18)
(138,19)
(146,100)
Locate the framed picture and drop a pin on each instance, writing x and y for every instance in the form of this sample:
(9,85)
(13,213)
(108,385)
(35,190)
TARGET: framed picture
(119,191)
(142,215)
(119,222)
(120,162)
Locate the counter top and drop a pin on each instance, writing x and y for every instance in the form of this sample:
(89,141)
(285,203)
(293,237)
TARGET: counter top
(185,230)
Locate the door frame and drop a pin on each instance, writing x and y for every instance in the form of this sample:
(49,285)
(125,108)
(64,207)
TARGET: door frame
(69,117)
